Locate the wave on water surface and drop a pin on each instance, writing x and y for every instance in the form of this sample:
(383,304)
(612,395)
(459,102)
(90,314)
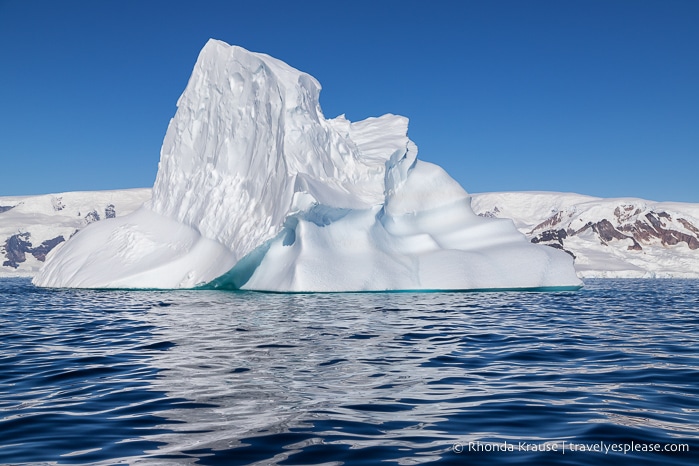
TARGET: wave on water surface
(205,377)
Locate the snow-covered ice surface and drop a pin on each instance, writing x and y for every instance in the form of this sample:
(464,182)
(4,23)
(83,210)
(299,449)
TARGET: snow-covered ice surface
(610,238)
(257,190)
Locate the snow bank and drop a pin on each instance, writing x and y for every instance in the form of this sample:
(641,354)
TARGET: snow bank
(257,190)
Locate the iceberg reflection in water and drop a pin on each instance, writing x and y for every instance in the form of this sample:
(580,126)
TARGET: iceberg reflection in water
(211,377)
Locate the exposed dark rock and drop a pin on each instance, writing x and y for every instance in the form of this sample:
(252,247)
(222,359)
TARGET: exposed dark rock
(558,246)
(549,222)
(641,231)
(685,223)
(110,211)
(551,235)
(5,208)
(669,237)
(655,221)
(92,216)
(490,213)
(672,237)
(16,248)
(625,212)
(607,232)
(586,227)
(552,238)
(41,251)
(57,203)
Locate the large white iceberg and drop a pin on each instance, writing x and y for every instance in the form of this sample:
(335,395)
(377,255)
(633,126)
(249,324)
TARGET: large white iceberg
(257,190)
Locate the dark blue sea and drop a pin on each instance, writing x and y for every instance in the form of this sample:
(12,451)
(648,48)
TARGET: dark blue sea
(605,375)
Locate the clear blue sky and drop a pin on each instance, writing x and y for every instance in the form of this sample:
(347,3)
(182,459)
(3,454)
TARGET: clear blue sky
(599,97)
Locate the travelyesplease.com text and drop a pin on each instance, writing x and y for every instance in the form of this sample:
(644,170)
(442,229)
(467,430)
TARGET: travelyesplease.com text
(565,446)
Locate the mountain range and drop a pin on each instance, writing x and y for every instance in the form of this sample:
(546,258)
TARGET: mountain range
(607,237)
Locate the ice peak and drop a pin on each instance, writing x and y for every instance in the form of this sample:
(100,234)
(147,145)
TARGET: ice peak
(256,189)
(246,127)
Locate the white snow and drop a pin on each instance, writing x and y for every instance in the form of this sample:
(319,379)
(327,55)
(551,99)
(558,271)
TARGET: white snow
(534,212)
(257,190)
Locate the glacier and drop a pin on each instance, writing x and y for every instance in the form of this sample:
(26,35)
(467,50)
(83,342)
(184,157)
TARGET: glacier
(257,190)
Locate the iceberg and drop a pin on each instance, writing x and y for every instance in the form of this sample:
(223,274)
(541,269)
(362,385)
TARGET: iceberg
(257,190)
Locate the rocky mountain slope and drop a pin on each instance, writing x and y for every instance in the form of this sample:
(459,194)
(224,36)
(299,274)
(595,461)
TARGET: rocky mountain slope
(625,237)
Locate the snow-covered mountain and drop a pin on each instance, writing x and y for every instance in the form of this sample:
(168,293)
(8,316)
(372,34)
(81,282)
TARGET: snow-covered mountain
(624,237)
(32,226)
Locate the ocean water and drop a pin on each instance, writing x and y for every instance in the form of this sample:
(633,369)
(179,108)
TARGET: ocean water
(605,375)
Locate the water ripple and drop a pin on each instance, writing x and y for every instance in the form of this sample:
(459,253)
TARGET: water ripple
(115,377)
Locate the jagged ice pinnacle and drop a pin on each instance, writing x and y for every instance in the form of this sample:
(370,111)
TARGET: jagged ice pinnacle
(257,190)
